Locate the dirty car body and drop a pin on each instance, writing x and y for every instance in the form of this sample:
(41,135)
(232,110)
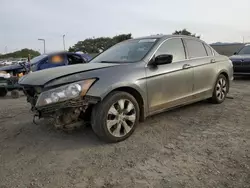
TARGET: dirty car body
(129,82)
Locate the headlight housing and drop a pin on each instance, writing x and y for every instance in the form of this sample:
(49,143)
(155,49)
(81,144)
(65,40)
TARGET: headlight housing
(64,93)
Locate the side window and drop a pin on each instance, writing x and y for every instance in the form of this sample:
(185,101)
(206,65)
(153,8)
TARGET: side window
(173,47)
(74,59)
(36,66)
(53,61)
(209,50)
(57,59)
(40,65)
(195,48)
(46,60)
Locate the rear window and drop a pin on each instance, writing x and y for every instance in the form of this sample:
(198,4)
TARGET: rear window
(209,50)
(195,48)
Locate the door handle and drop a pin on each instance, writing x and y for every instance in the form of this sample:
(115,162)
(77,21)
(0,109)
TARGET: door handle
(212,61)
(186,66)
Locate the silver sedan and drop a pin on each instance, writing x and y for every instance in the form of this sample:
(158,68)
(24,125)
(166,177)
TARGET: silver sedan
(128,82)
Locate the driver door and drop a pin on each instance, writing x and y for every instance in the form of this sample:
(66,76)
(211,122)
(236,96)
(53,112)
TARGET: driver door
(171,84)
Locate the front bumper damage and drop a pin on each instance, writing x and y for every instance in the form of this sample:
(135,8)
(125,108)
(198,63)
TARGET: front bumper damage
(67,115)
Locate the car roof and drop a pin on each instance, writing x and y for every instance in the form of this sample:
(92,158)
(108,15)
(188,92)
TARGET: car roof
(60,52)
(166,36)
(57,52)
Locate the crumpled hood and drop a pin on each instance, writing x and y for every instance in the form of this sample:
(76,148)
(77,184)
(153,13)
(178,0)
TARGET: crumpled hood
(10,67)
(40,78)
(240,57)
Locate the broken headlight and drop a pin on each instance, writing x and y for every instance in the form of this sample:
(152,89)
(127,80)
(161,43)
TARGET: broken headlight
(64,92)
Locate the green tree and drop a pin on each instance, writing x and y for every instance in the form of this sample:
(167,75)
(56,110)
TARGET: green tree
(21,54)
(97,45)
(120,38)
(185,32)
(71,49)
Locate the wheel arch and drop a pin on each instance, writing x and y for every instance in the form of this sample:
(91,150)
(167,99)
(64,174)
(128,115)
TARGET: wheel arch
(225,73)
(137,95)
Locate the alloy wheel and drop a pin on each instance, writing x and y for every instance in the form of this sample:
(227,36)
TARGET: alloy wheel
(121,118)
(221,89)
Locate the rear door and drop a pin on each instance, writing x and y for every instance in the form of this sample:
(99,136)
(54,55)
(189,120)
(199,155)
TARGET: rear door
(201,58)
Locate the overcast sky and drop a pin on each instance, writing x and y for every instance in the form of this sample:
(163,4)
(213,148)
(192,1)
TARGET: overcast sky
(22,22)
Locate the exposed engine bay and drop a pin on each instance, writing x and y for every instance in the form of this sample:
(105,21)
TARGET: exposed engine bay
(66,115)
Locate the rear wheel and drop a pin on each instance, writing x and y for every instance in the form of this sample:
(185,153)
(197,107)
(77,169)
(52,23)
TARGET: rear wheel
(3,92)
(220,89)
(114,119)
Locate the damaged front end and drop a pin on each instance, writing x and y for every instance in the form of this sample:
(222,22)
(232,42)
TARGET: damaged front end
(67,106)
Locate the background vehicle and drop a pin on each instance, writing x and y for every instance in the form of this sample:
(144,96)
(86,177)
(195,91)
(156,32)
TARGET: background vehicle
(6,62)
(241,61)
(128,82)
(45,61)
(41,62)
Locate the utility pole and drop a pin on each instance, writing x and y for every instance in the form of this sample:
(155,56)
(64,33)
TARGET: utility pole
(43,44)
(64,42)
(243,39)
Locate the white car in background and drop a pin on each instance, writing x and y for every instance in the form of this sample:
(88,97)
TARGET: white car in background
(6,62)
(18,61)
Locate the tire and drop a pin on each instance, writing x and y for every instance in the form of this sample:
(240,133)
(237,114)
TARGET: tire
(15,94)
(3,92)
(221,89)
(115,118)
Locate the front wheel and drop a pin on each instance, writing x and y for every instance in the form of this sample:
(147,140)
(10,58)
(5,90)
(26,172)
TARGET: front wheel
(220,89)
(3,92)
(15,94)
(114,119)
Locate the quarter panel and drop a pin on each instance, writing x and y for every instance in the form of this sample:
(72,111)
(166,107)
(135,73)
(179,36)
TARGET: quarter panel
(205,73)
(225,65)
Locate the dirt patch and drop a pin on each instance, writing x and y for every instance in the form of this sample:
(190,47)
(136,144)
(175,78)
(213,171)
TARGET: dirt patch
(201,145)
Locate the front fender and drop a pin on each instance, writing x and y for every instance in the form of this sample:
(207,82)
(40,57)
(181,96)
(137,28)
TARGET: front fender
(139,86)
(101,91)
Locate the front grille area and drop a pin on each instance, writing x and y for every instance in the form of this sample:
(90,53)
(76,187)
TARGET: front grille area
(65,104)
(73,103)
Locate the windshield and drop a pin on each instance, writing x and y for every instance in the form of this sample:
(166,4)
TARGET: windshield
(128,51)
(245,50)
(38,58)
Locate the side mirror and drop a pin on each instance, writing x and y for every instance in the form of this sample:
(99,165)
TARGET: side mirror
(163,59)
(235,53)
